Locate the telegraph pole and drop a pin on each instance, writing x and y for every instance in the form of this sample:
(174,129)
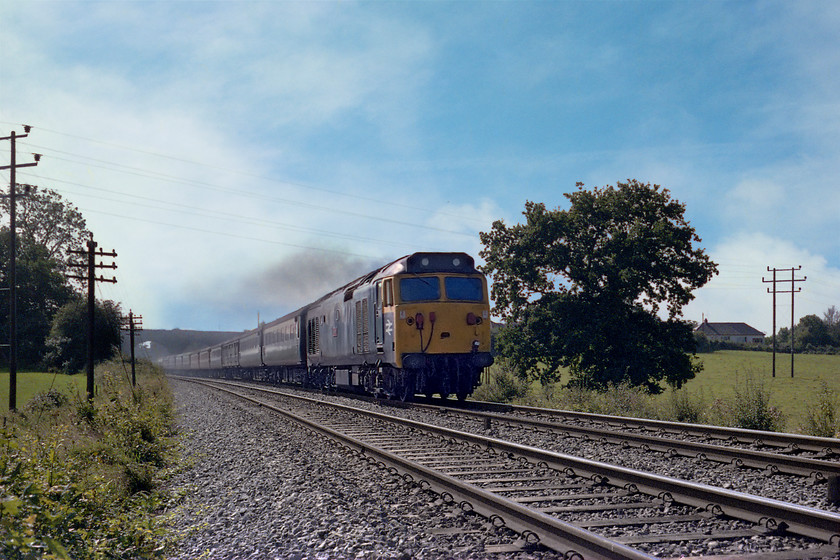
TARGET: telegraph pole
(774,315)
(793,290)
(132,323)
(91,278)
(13,261)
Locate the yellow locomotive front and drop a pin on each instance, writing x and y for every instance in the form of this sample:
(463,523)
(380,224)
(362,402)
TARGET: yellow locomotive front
(437,314)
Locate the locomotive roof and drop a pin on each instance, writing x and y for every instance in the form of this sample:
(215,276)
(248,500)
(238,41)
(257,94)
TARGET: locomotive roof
(415,263)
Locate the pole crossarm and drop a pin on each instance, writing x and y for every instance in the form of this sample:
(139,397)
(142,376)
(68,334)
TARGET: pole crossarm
(792,291)
(132,323)
(91,278)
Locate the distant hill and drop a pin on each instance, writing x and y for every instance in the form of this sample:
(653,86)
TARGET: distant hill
(153,344)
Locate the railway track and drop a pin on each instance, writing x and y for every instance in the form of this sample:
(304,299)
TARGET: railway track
(816,447)
(607,511)
(657,436)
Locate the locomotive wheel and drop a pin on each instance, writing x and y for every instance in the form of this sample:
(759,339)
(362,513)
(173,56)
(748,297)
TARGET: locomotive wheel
(462,395)
(444,396)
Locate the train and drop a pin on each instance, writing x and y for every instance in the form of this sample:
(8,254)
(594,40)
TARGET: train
(417,325)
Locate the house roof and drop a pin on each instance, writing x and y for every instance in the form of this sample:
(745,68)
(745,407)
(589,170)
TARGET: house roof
(728,329)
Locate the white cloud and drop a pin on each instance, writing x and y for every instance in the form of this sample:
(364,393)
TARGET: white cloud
(757,195)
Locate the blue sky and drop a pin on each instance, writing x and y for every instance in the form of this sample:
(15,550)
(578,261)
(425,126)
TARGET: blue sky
(245,157)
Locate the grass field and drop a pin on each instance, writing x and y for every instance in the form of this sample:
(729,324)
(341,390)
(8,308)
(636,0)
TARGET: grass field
(725,370)
(29,383)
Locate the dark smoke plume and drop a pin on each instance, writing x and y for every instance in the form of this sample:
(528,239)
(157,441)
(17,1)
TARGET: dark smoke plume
(303,277)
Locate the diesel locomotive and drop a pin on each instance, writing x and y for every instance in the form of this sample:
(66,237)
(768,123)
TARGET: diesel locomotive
(420,324)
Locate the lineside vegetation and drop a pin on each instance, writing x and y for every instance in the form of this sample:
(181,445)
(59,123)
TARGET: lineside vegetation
(78,479)
(733,390)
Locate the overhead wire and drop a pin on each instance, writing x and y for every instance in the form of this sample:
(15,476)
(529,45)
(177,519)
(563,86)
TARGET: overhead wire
(286,201)
(207,213)
(241,172)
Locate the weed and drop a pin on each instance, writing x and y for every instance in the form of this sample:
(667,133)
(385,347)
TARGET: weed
(504,385)
(682,408)
(821,417)
(749,407)
(81,481)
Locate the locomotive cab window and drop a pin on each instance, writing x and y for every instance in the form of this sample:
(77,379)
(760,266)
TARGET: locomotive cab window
(463,289)
(420,288)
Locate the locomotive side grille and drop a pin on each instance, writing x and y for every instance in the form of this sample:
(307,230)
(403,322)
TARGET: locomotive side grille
(313,345)
(365,328)
(358,327)
(362,328)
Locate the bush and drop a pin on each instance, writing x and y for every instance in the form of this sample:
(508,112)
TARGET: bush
(81,482)
(681,408)
(45,401)
(504,385)
(617,400)
(749,408)
(822,417)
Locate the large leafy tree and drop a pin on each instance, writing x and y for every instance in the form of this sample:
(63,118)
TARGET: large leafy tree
(41,291)
(67,342)
(47,228)
(45,218)
(599,288)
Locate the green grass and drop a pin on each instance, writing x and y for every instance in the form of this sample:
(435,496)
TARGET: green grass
(735,388)
(725,370)
(30,383)
(81,480)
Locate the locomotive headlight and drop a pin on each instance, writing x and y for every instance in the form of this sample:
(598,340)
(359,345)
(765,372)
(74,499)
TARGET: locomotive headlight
(475,345)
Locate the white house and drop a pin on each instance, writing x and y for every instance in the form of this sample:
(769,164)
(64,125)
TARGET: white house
(736,333)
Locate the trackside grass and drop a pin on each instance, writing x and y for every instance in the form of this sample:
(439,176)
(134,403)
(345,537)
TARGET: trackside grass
(30,383)
(735,388)
(727,371)
(78,479)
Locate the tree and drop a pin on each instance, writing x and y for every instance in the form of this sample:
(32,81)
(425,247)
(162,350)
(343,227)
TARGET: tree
(811,330)
(67,343)
(42,290)
(47,226)
(831,317)
(583,288)
(46,219)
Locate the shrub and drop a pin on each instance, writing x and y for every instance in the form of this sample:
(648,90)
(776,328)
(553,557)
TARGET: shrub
(504,385)
(822,417)
(46,400)
(617,400)
(750,407)
(81,481)
(682,408)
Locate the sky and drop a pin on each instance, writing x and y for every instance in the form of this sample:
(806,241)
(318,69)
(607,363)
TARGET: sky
(245,157)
